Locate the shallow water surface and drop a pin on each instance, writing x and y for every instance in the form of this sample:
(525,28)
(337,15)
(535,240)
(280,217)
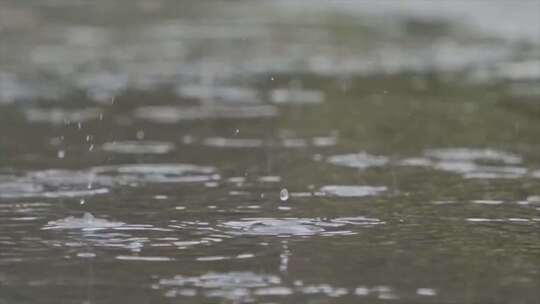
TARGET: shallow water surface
(269,152)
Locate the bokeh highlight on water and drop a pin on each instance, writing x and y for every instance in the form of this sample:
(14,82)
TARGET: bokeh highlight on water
(269,152)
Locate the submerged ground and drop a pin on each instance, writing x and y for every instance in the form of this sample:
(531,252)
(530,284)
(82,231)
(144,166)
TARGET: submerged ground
(284,152)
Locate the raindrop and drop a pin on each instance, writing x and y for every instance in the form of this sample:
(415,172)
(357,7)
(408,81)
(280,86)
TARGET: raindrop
(140,135)
(284,195)
(61,154)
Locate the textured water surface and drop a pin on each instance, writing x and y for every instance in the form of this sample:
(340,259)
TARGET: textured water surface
(269,152)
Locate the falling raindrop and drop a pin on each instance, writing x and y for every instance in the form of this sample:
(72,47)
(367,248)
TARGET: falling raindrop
(140,135)
(284,195)
(82,201)
(61,154)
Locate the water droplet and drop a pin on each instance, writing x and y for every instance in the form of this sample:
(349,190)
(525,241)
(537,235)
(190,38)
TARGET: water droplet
(140,134)
(284,195)
(82,201)
(61,154)
(237,131)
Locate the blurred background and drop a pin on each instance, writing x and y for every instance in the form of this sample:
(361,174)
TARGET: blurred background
(269,151)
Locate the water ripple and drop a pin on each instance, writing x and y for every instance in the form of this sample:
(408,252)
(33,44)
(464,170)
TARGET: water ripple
(60,116)
(296,96)
(295,226)
(158,173)
(232,285)
(138,147)
(466,154)
(352,191)
(164,114)
(218,93)
(359,160)
(87,222)
(56,183)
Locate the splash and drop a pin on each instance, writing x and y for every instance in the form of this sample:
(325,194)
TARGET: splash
(296,226)
(87,222)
